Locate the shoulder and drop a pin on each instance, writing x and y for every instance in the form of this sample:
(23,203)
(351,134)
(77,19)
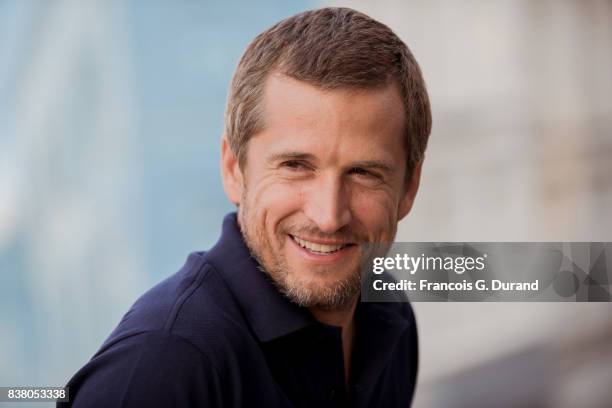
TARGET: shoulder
(177,340)
(193,304)
(410,335)
(154,368)
(401,314)
(409,341)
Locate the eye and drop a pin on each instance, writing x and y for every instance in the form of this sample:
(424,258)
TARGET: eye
(367,177)
(293,165)
(363,172)
(360,171)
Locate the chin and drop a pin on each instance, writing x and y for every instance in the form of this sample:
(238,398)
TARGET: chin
(320,292)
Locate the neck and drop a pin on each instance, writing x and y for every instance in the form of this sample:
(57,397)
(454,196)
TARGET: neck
(341,318)
(344,319)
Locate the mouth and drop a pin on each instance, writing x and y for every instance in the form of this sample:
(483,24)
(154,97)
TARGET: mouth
(319,248)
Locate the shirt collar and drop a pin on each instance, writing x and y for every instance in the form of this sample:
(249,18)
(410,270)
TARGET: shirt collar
(268,312)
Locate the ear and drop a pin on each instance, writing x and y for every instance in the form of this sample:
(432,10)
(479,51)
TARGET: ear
(411,189)
(231,173)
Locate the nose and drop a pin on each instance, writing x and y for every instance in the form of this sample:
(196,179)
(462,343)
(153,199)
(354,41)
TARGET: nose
(328,204)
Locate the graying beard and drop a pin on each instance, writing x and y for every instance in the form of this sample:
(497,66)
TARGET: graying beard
(339,297)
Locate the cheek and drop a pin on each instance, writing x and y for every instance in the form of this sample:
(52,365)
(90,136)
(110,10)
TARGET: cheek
(273,201)
(377,212)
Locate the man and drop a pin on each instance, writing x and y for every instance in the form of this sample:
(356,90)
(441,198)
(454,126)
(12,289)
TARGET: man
(326,126)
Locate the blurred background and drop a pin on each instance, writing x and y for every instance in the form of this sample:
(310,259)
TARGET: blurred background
(110,118)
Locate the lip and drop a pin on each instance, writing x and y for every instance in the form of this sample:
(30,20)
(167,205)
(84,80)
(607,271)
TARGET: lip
(323,259)
(322,241)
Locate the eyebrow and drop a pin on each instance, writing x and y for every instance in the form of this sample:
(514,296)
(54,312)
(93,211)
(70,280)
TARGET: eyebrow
(373,164)
(295,155)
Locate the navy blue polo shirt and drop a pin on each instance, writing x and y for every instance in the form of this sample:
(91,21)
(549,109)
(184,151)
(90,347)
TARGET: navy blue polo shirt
(218,334)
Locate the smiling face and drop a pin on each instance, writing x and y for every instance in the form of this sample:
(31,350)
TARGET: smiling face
(325,175)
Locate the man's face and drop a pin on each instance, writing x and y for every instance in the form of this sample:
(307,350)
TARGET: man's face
(326,175)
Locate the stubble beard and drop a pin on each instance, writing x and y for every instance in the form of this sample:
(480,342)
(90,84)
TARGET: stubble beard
(337,296)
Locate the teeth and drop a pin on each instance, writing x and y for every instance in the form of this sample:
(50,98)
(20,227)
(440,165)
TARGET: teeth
(314,247)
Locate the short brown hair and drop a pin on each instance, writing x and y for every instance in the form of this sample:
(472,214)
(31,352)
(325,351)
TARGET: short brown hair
(329,48)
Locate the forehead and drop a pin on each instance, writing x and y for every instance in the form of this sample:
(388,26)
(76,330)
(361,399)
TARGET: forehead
(297,112)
